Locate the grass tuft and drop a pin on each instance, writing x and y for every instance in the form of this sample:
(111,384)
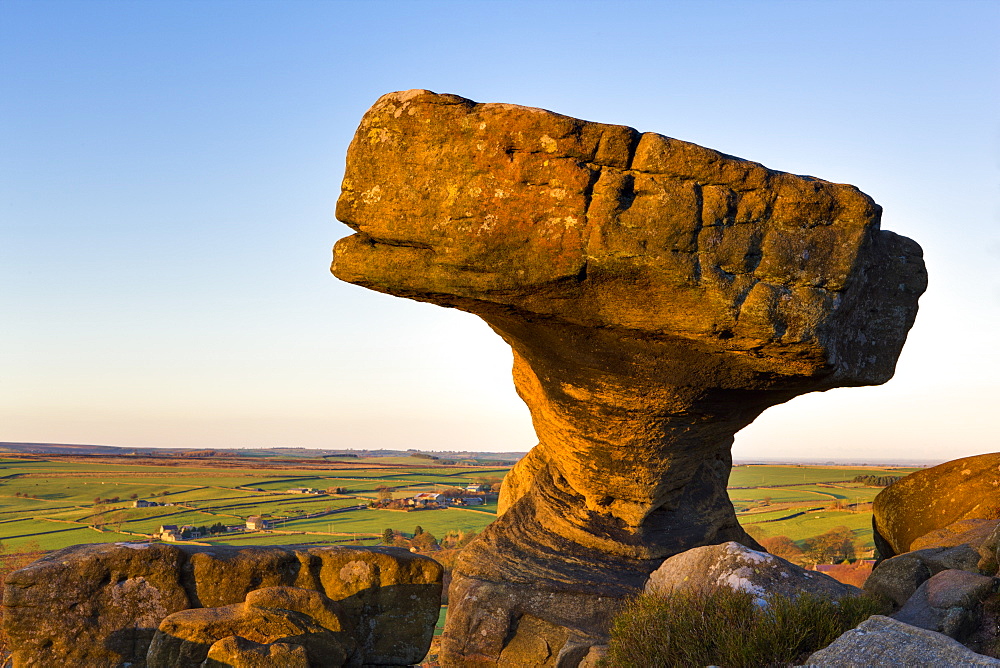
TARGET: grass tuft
(726,628)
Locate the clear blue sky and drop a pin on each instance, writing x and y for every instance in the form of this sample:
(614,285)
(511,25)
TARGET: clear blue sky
(168,175)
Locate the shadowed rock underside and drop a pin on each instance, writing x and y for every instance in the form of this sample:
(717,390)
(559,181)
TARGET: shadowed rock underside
(657,296)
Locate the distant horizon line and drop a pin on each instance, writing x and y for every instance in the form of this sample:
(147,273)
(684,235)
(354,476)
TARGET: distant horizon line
(516,454)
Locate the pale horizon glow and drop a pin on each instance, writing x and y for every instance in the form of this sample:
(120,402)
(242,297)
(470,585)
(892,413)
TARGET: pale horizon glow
(169,170)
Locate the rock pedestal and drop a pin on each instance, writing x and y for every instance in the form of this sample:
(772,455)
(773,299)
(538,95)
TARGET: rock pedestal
(657,296)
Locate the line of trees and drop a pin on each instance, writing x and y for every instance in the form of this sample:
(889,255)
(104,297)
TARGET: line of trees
(876,480)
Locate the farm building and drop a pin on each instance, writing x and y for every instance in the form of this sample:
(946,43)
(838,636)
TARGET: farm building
(143,503)
(429,497)
(475,489)
(256,523)
(169,532)
(473,501)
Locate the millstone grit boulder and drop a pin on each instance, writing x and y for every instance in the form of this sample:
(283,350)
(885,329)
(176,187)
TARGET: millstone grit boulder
(949,602)
(186,637)
(989,553)
(883,641)
(107,605)
(926,503)
(899,577)
(657,295)
(741,569)
(237,652)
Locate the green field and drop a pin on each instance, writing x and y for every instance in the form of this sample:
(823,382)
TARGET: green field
(812,524)
(437,522)
(57,502)
(54,503)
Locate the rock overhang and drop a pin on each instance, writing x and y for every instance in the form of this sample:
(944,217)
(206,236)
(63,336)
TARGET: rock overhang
(499,209)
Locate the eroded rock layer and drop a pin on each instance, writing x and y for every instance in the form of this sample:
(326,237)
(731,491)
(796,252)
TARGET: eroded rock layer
(158,605)
(657,296)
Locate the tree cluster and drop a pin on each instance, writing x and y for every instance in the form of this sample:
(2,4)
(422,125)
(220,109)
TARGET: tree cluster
(876,480)
(833,547)
(457,539)
(421,541)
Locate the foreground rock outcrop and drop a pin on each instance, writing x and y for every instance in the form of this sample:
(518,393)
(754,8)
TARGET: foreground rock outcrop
(657,295)
(161,605)
(938,535)
(883,641)
(899,577)
(949,504)
(949,602)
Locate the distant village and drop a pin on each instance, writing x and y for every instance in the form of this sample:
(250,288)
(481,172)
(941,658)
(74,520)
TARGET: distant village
(471,495)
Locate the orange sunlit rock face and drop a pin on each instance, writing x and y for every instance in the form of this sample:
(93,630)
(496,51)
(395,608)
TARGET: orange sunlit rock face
(657,295)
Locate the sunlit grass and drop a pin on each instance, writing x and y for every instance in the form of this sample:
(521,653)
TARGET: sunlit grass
(816,523)
(727,628)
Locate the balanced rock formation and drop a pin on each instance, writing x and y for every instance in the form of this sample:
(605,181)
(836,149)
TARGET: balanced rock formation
(949,504)
(657,295)
(137,604)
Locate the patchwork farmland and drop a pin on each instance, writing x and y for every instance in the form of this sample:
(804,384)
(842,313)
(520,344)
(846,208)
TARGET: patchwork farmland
(50,502)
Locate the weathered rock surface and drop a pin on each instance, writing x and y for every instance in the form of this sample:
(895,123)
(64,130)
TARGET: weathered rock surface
(237,652)
(896,579)
(741,569)
(899,577)
(883,641)
(184,638)
(971,532)
(989,553)
(948,603)
(961,557)
(934,499)
(100,605)
(657,295)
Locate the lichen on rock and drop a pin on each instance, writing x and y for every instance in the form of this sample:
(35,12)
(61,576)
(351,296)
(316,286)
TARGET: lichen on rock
(741,569)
